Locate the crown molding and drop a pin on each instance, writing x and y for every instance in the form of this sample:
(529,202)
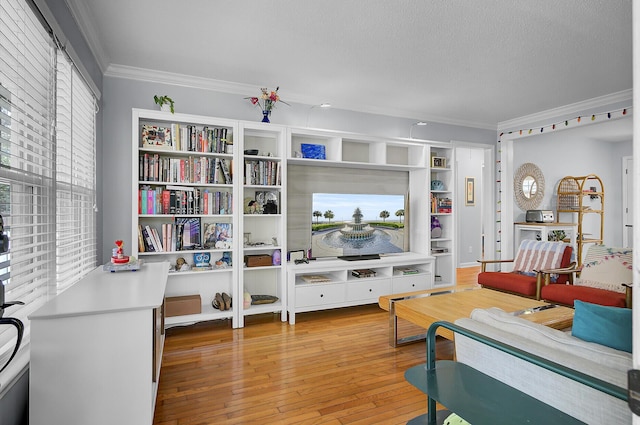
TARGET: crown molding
(162,77)
(567,110)
(80,12)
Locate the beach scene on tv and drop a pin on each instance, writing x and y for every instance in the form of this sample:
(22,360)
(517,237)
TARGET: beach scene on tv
(356,224)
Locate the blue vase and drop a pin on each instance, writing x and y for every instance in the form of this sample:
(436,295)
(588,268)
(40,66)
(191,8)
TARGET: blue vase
(265,116)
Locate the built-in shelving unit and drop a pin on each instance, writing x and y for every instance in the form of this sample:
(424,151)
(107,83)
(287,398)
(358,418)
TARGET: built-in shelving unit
(232,178)
(183,171)
(263,227)
(442,213)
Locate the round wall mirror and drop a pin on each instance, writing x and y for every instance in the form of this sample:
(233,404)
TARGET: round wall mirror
(528,185)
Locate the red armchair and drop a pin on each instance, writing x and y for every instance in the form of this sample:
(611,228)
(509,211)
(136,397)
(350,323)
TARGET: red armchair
(604,278)
(525,279)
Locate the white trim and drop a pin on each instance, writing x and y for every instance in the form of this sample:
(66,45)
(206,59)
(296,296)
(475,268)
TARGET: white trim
(163,77)
(80,12)
(627,204)
(63,43)
(573,108)
(506,200)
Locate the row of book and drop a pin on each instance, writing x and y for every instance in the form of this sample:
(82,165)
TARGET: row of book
(203,170)
(262,172)
(187,138)
(184,234)
(440,205)
(171,237)
(183,200)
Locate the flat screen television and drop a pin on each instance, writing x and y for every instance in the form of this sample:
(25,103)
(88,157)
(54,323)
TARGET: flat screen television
(357,226)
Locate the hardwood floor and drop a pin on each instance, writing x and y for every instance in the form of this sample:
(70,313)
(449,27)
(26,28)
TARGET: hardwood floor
(331,367)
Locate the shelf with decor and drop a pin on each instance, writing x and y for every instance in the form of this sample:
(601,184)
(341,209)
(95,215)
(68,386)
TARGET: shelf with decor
(262,227)
(442,213)
(582,198)
(339,149)
(183,169)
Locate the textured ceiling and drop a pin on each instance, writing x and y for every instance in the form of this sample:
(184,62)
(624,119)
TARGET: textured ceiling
(457,61)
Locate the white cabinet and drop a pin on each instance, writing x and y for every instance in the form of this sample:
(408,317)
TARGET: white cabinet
(325,283)
(96,350)
(545,232)
(442,214)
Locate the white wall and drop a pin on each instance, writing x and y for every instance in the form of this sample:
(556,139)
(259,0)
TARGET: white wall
(121,95)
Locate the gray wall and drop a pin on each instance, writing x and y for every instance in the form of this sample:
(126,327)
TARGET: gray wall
(570,153)
(469,238)
(121,95)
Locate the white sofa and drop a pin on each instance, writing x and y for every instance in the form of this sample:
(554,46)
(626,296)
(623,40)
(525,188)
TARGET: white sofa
(580,401)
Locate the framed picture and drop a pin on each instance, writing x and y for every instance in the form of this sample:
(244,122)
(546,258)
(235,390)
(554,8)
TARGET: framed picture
(438,162)
(470,185)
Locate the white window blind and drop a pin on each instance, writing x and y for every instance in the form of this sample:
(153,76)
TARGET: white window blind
(47,183)
(75,175)
(27,203)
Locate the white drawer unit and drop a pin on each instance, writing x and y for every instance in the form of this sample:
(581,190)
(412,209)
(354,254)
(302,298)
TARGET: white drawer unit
(410,283)
(368,289)
(330,283)
(320,294)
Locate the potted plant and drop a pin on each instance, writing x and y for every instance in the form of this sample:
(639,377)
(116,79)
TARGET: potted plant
(162,101)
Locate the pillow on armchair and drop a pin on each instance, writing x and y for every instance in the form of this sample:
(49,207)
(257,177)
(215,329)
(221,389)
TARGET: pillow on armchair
(538,255)
(606,268)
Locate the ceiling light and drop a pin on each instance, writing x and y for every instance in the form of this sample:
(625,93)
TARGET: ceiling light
(323,105)
(420,123)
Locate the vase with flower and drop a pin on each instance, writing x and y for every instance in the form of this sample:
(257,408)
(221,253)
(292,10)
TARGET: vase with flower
(267,101)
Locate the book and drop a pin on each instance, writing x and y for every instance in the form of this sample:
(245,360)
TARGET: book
(148,238)
(218,235)
(315,278)
(141,247)
(225,170)
(363,273)
(156,137)
(188,232)
(407,270)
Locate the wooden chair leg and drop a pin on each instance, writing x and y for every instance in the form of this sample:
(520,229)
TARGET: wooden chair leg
(628,298)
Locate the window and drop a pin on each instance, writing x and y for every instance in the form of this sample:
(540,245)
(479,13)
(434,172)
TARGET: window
(47,186)
(75,176)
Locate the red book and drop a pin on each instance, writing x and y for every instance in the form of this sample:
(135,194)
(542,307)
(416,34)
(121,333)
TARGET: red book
(166,197)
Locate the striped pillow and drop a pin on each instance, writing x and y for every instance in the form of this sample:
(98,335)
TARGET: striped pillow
(538,255)
(606,268)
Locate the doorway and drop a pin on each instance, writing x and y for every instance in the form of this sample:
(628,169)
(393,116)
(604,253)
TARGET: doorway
(475,222)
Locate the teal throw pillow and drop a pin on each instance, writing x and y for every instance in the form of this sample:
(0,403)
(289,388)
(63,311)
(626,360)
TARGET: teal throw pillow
(610,326)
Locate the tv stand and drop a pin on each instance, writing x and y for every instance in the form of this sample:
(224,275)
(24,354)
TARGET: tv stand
(359,257)
(330,283)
